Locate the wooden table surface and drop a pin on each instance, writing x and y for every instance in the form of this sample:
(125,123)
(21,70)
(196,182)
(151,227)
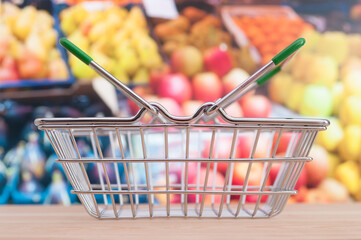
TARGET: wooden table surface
(299,221)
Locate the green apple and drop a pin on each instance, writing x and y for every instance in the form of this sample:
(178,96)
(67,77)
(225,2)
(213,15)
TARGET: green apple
(317,101)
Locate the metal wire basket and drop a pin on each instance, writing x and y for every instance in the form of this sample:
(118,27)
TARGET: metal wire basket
(171,164)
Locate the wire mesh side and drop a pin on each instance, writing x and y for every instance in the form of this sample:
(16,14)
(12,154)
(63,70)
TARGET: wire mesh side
(194,171)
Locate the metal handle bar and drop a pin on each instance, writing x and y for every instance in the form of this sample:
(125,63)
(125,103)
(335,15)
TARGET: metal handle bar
(104,73)
(259,77)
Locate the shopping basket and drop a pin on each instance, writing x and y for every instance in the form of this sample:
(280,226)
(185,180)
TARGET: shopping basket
(172,164)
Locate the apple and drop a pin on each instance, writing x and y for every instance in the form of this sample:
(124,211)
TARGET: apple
(350,111)
(284,142)
(331,138)
(224,145)
(317,169)
(233,110)
(219,181)
(207,87)
(156,75)
(8,70)
(190,107)
(187,60)
(254,179)
(316,196)
(30,66)
(256,106)
(171,105)
(334,190)
(317,101)
(233,79)
(218,60)
(301,195)
(301,182)
(348,174)
(175,86)
(245,144)
(349,146)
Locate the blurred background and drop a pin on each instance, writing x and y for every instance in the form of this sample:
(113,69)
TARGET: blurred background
(180,54)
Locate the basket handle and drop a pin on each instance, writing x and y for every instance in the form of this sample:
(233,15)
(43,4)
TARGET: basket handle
(85,58)
(259,77)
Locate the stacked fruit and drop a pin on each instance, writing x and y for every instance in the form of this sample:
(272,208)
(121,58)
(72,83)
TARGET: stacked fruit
(271,34)
(197,28)
(324,80)
(27,45)
(116,38)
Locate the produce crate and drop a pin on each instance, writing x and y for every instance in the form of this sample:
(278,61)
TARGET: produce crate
(91,6)
(229,12)
(43,83)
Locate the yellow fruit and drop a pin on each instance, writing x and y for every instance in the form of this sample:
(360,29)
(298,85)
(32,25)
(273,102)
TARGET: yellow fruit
(79,40)
(352,63)
(9,13)
(67,23)
(25,22)
(348,174)
(337,92)
(121,75)
(81,70)
(349,148)
(279,87)
(295,96)
(334,44)
(141,76)
(137,17)
(334,161)
(321,70)
(300,63)
(97,31)
(350,110)
(312,38)
(44,20)
(129,61)
(354,41)
(331,138)
(57,70)
(35,45)
(352,83)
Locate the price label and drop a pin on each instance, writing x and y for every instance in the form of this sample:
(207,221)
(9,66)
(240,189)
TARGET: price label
(161,8)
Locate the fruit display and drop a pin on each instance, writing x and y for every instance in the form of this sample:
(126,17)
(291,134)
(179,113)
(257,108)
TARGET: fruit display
(324,81)
(197,33)
(117,38)
(28,51)
(269,33)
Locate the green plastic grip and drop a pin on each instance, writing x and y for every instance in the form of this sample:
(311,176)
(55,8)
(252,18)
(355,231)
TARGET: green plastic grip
(268,75)
(75,51)
(288,51)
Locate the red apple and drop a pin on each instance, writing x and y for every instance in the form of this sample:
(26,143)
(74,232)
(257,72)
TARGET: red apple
(190,107)
(156,75)
(207,87)
(171,105)
(254,179)
(218,61)
(224,146)
(175,86)
(284,142)
(30,66)
(219,181)
(245,143)
(317,169)
(301,182)
(301,194)
(187,60)
(256,106)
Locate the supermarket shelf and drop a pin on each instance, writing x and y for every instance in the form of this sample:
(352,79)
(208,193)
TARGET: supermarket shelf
(297,221)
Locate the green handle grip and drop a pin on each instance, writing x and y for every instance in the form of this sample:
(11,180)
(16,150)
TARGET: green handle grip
(268,75)
(288,51)
(75,51)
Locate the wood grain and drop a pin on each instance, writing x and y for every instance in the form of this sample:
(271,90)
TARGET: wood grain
(299,221)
